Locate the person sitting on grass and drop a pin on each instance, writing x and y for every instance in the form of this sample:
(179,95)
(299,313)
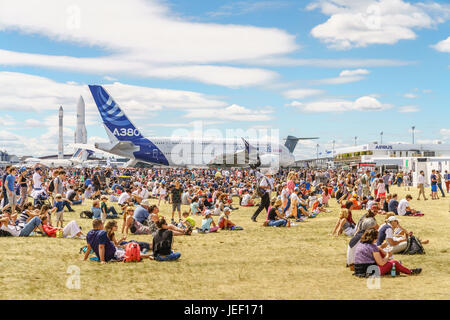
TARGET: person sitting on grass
(345,222)
(275,217)
(112,227)
(393,204)
(225,223)
(162,243)
(71,230)
(247,199)
(366,224)
(207,221)
(96,210)
(368,254)
(188,223)
(104,249)
(404,208)
(105,210)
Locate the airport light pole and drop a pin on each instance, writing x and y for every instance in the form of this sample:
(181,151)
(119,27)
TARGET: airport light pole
(317,151)
(381,135)
(413,129)
(356,139)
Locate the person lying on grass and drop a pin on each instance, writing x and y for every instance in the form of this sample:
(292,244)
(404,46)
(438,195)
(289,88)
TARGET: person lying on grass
(104,249)
(135,227)
(162,243)
(111,228)
(8,224)
(71,230)
(345,222)
(368,254)
(275,217)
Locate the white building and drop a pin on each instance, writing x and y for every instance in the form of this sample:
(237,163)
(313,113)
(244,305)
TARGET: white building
(403,157)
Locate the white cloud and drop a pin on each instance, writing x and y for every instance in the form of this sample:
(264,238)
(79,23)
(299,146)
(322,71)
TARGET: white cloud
(360,23)
(294,104)
(443,46)
(233,113)
(346,76)
(301,93)
(327,63)
(7,121)
(366,103)
(445,133)
(243,7)
(410,95)
(408,109)
(218,75)
(143,37)
(24,92)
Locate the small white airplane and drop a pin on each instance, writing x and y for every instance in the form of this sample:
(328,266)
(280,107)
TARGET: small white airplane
(127,141)
(80,157)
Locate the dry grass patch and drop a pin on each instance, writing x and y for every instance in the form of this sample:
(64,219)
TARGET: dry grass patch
(301,262)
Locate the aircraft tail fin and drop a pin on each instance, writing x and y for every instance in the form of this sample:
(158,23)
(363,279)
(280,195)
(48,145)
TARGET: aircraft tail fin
(291,143)
(82,154)
(117,124)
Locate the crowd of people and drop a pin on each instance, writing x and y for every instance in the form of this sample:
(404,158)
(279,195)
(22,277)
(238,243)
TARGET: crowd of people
(33,202)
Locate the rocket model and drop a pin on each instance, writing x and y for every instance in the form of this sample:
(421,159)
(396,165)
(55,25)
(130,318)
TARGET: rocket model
(60,139)
(80,132)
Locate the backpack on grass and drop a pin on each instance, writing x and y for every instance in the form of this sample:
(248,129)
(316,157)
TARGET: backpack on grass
(414,246)
(132,252)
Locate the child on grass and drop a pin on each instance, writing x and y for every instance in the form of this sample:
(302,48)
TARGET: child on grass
(225,222)
(207,221)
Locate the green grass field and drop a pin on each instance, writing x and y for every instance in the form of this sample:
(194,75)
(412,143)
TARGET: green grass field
(302,262)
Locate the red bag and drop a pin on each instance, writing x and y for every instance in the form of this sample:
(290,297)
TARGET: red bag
(132,252)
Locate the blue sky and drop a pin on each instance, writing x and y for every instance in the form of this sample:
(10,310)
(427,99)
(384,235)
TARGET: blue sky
(335,69)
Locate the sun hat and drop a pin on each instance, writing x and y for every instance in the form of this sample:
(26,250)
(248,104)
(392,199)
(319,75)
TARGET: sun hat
(145,202)
(226,209)
(393,218)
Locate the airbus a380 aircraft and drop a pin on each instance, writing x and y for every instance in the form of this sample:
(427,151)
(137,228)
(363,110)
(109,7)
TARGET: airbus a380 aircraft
(127,141)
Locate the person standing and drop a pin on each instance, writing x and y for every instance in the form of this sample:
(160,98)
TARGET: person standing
(439,182)
(386,178)
(447,181)
(10,183)
(434,195)
(421,185)
(266,186)
(175,194)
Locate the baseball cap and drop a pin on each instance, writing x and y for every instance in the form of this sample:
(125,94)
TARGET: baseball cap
(207,212)
(226,209)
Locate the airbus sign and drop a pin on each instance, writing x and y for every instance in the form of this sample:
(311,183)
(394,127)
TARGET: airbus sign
(381,147)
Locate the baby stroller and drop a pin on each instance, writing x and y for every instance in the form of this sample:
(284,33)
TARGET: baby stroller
(41,198)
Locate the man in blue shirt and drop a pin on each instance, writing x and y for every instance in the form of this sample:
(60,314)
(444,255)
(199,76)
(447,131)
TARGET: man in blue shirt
(99,242)
(434,195)
(141,212)
(11,190)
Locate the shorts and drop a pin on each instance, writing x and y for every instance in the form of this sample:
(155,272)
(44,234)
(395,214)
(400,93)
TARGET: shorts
(119,254)
(382,195)
(59,216)
(434,188)
(176,206)
(12,199)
